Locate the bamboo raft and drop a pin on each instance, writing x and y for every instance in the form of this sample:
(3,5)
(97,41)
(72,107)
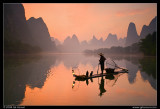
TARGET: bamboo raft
(109,72)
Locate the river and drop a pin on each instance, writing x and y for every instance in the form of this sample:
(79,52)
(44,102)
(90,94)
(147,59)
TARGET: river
(47,80)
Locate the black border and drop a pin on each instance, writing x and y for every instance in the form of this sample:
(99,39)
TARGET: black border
(83,1)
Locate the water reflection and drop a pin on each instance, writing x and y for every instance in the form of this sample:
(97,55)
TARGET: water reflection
(146,65)
(148,70)
(101,87)
(33,71)
(22,70)
(110,79)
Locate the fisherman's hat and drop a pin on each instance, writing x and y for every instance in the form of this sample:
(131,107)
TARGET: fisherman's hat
(101,54)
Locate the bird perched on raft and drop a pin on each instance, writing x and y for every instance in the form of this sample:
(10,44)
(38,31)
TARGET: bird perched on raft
(91,73)
(83,77)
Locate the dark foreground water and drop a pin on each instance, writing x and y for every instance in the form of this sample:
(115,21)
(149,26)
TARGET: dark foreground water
(48,80)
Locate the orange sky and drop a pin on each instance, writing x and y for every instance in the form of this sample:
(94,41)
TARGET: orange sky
(88,19)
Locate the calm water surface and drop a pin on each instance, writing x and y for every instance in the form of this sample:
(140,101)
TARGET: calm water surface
(48,80)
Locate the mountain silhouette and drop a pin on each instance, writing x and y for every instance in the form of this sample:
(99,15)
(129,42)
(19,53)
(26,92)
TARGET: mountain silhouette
(75,40)
(15,25)
(94,43)
(149,29)
(71,41)
(40,34)
(33,32)
(84,43)
(132,36)
(122,41)
(70,44)
(111,40)
(56,41)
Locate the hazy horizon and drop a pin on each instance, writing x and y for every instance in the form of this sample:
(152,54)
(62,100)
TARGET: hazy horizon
(88,19)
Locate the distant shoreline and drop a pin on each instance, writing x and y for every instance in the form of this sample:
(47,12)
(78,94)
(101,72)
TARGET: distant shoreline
(87,54)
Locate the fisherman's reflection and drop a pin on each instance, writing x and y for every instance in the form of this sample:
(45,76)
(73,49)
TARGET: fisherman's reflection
(101,87)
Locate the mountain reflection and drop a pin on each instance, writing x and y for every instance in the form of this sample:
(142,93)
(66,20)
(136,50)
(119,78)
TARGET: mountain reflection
(132,66)
(33,70)
(22,70)
(148,70)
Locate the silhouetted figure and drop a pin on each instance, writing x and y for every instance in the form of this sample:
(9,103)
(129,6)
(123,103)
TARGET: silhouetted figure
(101,62)
(101,87)
(87,73)
(91,73)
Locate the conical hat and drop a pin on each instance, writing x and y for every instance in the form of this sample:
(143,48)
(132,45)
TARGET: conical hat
(100,54)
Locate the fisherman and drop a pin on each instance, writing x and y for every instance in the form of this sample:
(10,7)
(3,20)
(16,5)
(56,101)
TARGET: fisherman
(101,62)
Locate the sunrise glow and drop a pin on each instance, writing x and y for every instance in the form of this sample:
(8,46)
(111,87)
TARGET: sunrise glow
(88,19)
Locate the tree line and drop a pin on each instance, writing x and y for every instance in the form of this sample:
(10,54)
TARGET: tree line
(15,46)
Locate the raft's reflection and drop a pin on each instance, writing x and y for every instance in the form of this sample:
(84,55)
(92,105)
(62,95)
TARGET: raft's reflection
(110,78)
